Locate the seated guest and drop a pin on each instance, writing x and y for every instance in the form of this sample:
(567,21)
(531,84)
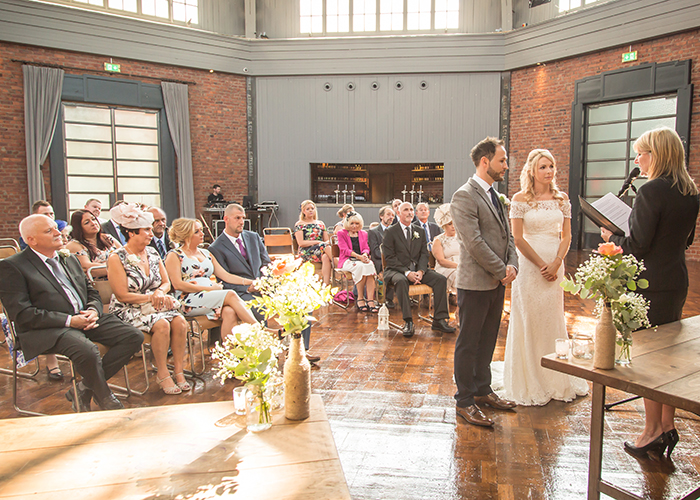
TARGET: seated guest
(94,206)
(354,258)
(312,239)
(191,268)
(446,248)
(375,238)
(56,310)
(215,196)
(111,227)
(43,207)
(431,229)
(342,213)
(140,285)
(395,207)
(406,258)
(89,244)
(161,240)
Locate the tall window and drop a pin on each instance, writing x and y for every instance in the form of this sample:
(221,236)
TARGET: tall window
(337,16)
(611,130)
(565,5)
(127,5)
(156,8)
(178,11)
(186,11)
(418,14)
(364,15)
(391,15)
(111,154)
(311,16)
(446,14)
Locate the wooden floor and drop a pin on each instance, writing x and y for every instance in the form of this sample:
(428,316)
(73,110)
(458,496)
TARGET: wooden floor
(390,405)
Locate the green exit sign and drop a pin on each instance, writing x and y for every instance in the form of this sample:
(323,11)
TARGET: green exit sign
(116,68)
(629,56)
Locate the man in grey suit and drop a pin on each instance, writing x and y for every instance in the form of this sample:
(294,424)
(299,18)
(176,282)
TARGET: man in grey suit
(375,239)
(488,262)
(56,310)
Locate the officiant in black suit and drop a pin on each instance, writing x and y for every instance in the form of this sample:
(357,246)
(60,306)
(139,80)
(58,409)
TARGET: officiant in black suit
(56,311)
(406,258)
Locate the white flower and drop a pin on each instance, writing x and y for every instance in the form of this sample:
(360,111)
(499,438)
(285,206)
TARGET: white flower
(63,253)
(504,199)
(415,235)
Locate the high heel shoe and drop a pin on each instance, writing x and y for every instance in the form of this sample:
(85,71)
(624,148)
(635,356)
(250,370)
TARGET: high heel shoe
(671,439)
(658,445)
(170,391)
(184,386)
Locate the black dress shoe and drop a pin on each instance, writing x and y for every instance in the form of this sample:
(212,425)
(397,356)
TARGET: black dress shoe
(54,373)
(441,325)
(312,358)
(408,329)
(109,402)
(390,304)
(85,395)
(671,438)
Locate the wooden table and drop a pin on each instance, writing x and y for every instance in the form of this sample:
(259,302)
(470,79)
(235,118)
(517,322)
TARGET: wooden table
(665,367)
(193,450)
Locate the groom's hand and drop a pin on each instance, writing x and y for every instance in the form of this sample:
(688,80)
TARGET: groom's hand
(511,273)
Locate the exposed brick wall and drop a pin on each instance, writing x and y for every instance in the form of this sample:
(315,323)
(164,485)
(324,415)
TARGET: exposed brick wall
(541,99)
(217,125)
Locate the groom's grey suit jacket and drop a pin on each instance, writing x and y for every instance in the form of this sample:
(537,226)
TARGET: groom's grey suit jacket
(486,243)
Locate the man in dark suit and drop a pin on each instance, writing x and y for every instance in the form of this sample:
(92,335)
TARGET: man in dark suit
(112,228)
(375,239)
(431,229)
(160,240)
(240,252)
(406,257)
(56,310)
(487,263)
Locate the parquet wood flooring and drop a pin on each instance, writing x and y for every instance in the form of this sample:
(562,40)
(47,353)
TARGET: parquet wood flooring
(391,407)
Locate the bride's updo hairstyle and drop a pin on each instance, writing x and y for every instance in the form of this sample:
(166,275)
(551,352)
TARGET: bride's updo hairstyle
(527,176)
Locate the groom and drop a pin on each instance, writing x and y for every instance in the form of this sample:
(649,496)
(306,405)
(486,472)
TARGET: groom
(488,262)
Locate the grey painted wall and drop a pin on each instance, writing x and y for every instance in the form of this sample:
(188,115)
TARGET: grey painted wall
(298,123)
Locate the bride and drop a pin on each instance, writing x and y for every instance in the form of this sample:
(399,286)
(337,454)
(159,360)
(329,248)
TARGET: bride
(541,223)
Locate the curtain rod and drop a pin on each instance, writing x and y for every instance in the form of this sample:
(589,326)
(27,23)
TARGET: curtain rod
(49,65)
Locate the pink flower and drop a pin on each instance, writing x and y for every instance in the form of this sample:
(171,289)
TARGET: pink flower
(284,266)
(609,249)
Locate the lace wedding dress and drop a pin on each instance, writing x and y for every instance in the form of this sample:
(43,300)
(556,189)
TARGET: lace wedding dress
(537,313)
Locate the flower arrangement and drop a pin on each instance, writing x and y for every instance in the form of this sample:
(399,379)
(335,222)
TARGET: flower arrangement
(291,291)
(250,354)
(611,278)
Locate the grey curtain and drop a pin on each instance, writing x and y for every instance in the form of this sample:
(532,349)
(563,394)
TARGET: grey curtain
(178,113)
(42,98)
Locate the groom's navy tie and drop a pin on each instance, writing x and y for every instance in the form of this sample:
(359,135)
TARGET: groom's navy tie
(496,202)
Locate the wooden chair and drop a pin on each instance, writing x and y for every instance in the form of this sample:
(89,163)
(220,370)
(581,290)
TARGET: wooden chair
(416,290)
(278,238)
(105,290)
(341,279)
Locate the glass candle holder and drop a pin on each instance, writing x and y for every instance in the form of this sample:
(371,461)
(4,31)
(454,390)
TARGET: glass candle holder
(582,348)
(562,348)
(239,400)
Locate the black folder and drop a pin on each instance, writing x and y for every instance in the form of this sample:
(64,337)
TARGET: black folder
(598,218)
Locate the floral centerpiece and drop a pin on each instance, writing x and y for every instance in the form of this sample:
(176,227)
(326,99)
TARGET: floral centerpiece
(249,354)
(611,278)
(290,292)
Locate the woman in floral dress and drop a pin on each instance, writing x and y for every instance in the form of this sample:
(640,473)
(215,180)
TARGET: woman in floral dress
(140,285)
(193,272)
(313,241)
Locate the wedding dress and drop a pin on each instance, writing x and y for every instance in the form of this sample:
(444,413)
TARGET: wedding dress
(537,313)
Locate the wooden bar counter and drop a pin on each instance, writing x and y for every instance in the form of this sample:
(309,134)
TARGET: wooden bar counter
(199,450)
(665,367)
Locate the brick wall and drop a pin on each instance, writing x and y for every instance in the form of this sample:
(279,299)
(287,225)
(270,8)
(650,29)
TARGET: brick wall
(541,99)
(217,124)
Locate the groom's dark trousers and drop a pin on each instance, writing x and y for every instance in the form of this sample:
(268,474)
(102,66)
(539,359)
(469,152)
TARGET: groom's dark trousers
(479,318)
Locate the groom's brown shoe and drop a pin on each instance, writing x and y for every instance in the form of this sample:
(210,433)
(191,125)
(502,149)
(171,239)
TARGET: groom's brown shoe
(495,402)
(474,416)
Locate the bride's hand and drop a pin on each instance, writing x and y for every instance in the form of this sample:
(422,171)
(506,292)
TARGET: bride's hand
(549,271)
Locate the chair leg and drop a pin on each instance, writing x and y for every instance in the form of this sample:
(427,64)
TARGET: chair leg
(145,375)
(430,317)
(14,391)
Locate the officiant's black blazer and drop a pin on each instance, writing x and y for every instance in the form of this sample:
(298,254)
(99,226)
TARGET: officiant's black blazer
(37,302)
(662,226)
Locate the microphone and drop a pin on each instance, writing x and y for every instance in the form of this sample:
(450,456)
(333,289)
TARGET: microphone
(634,173)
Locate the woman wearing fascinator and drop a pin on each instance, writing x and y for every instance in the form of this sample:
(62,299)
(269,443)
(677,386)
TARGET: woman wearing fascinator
(446,248)
(140,284)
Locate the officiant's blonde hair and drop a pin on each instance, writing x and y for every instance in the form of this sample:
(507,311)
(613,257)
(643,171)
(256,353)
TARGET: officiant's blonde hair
(667,157)
(527,176)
